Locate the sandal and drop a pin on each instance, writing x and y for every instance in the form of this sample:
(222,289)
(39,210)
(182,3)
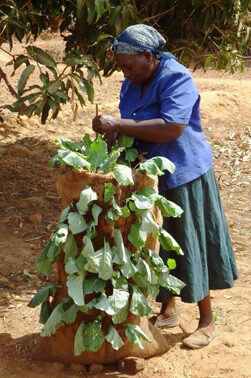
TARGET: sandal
(166,322)
(198,339)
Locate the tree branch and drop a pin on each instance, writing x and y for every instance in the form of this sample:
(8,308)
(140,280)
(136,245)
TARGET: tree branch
(11,89)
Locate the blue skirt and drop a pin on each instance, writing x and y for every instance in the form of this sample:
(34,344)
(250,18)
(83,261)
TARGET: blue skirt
(208,262)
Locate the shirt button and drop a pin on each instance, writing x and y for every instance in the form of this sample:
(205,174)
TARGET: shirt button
(134,114)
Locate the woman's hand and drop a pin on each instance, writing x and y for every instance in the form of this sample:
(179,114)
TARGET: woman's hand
(105,123)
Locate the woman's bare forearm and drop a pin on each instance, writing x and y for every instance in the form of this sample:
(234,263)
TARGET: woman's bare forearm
(154,130)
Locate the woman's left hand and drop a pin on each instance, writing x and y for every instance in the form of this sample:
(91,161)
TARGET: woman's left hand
(105,123)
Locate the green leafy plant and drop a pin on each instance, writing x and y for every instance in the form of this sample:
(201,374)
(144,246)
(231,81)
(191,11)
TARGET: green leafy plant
(130,276)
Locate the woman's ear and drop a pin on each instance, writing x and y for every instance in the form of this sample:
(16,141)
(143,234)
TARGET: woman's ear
(148,55)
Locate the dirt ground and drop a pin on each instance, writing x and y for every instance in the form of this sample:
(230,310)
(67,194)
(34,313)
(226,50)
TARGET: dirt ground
(29,208)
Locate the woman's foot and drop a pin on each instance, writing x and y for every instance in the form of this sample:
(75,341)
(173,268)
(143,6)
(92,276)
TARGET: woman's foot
(168,316)
(201,337)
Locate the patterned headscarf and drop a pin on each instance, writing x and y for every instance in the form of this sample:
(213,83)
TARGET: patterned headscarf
(138,38)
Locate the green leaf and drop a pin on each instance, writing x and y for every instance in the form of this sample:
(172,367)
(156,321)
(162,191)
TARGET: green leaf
(71,266)
(88,247)
(79,339)
(134,333)
(70,314)
(65,143)
(70,248)
(109,192)
(131,154)
(73,159)
(114,338)
(141,202)
(89,89)
(101,262)
(144,269)
(156,166)
(77,223)
(19,61)
(93,336)
(100,7)
(53,86)
(148,224)
(65,213)
(41,56)
(87,196)
(119,299)
(60,235)
(54,322)
(139,304)
(104,304)
(136,236)
(123,174)
(125,211)
(96,210)
(171,283)
(153,291)
(75,288)
(121,315)
(93,285)
(125,141)
(42,295)
(45,312)
(168,243)
(171,264)
(43,263)
(119,243)
(79,10)
(128,269)
(168,208)
(109,163)
(24,78)
(97,153)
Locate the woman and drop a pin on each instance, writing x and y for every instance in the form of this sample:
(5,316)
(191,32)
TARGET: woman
(160,107)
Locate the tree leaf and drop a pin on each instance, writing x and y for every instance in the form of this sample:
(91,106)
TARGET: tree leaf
(77,223)
(24,78)
(41,56)
(114,338)
(123,174)
(87,196)
(79,11)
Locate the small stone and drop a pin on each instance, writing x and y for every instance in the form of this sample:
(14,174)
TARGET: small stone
(96,368)
(131,365)
(78,368)
(35,219)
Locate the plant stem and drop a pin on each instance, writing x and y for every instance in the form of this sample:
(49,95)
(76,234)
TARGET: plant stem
(11,89)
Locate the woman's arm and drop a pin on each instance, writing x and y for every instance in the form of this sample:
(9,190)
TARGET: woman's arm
(153,130)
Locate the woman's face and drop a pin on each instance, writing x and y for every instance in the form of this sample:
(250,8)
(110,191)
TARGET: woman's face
(138,68)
